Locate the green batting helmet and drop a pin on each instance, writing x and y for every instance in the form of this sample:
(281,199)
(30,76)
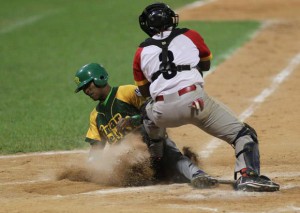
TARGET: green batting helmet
(91,72)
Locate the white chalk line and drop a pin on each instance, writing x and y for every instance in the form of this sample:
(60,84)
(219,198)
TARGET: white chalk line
(234,195)
(282,175)
(33,154)
(27,21)
(133,189)
(194,5)
(139,189)
(219,194)
(191,195)
(228,53)
(24,182)
(288,208)
(224,56)
(257,101)
(35,18)
(176,206)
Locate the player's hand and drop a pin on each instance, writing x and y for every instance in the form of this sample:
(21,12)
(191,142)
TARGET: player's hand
(124,123)
(129,123)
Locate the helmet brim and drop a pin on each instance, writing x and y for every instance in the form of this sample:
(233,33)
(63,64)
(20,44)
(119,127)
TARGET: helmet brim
(78,90)
(82,84)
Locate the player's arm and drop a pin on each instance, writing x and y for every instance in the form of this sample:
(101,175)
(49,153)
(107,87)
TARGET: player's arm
(139,78)
(93,136)
(131,95)
(96,144)
(205,54)
(144,90)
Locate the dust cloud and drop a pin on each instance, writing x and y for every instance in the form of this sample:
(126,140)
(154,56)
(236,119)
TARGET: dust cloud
(124,164)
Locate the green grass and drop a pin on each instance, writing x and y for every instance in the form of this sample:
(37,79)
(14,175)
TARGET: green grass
(43,43)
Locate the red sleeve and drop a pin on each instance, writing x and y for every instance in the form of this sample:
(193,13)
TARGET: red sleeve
(138,75)
(204,52)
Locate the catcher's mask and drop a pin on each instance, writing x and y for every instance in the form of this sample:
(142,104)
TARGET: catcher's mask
(91,72)
(156,18)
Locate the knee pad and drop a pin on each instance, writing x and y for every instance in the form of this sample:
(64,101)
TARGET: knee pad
(154,132)
(155,143)
(156,149)
(246,130)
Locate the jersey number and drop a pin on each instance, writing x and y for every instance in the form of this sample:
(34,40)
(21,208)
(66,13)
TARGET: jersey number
(169,67)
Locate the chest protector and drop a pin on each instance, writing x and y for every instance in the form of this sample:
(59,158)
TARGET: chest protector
(167,67)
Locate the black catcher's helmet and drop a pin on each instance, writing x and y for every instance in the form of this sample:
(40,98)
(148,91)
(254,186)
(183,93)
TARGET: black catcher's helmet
(156,18)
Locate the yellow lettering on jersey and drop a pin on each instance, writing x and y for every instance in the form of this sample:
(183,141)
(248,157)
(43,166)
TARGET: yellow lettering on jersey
(110,131)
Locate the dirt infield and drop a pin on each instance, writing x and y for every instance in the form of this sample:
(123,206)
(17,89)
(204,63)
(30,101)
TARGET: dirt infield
(259,82)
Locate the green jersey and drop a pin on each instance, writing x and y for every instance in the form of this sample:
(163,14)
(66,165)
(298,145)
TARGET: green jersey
(121,102)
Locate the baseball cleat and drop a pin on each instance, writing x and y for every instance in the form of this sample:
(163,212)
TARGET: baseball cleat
(203,181)
(256,184)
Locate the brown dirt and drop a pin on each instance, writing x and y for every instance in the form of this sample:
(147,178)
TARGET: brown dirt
(236,82)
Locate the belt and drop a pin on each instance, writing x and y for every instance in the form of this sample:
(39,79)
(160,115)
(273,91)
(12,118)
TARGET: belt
(180,92)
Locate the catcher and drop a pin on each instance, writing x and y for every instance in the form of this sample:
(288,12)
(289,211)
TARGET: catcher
(168,66)
(118,113)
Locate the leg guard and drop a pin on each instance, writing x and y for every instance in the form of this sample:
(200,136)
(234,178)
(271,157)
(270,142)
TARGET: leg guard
(154,137)
(156,151)
(247,151)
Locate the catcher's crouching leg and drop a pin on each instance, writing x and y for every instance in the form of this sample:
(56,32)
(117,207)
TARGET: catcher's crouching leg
(246,150)
(248,163)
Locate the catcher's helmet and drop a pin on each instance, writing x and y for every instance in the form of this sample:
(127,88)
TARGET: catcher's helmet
(156,18)
(91,72)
